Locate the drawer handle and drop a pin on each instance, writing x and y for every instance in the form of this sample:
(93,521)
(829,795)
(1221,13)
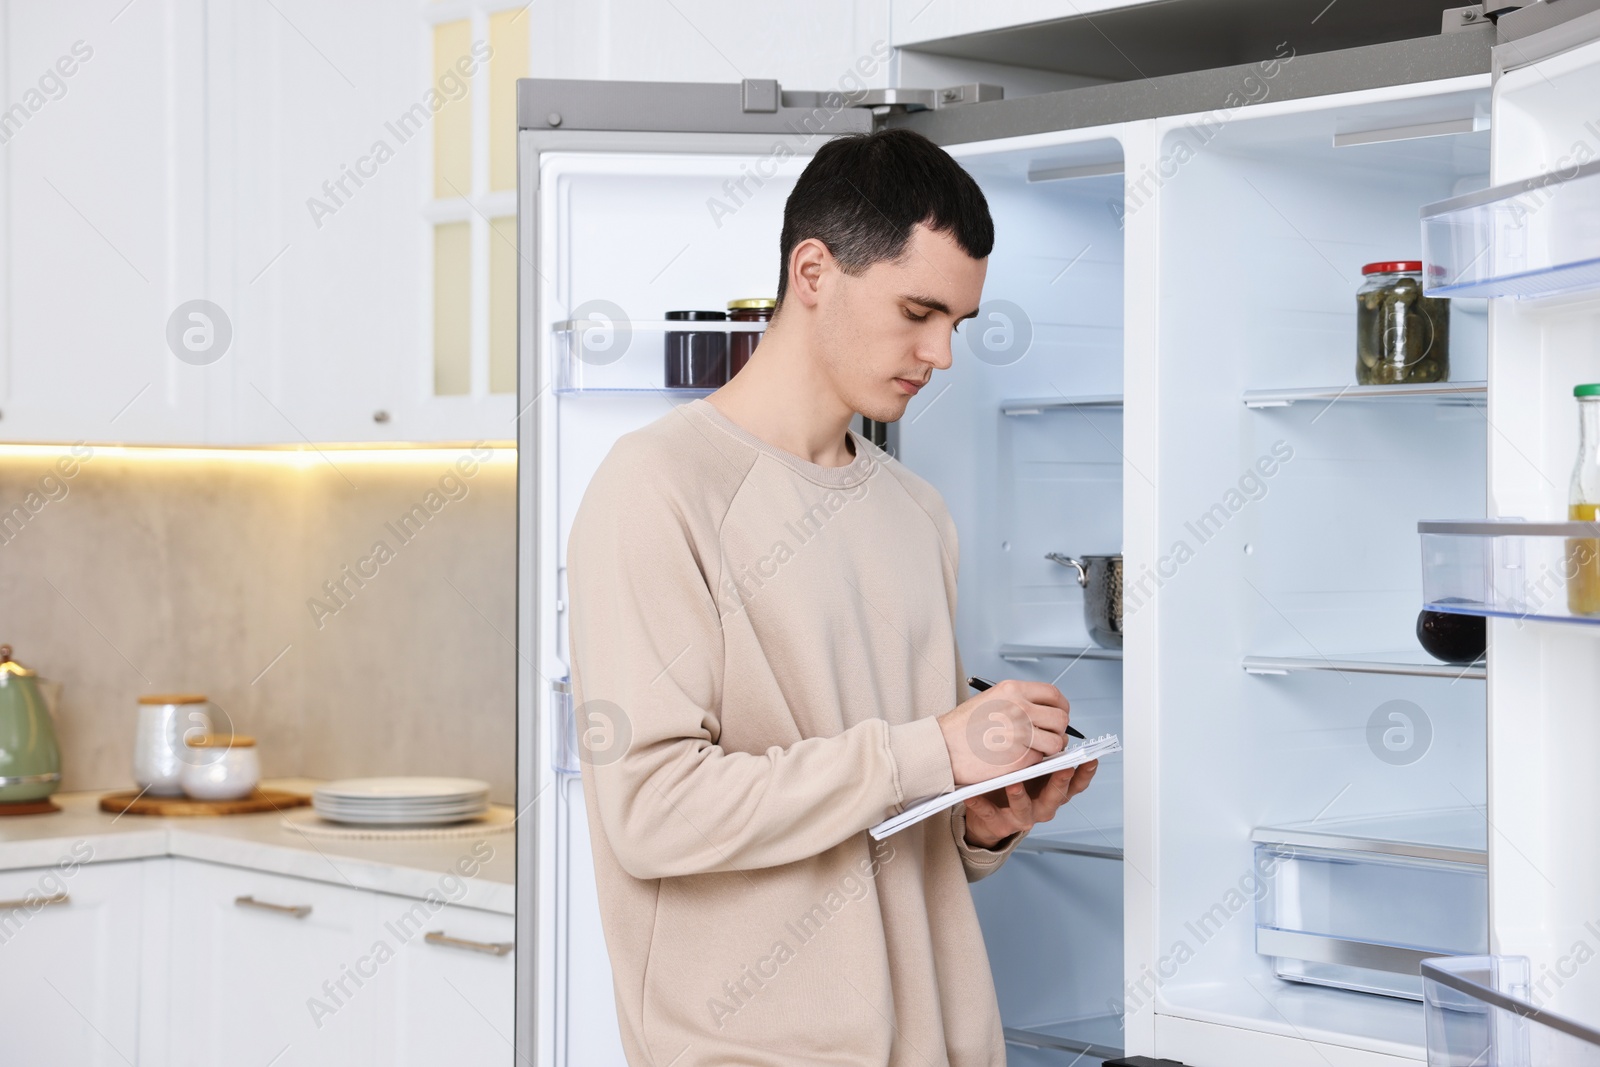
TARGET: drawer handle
(299,911)
(36,902)
(493,948)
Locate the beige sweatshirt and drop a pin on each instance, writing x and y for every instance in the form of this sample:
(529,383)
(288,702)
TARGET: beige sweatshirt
(759,648)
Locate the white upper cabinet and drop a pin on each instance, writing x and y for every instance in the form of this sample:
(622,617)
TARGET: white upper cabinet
(373,256)
(102,232)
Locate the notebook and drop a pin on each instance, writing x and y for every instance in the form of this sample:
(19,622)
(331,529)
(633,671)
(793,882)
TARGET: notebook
(1072,756)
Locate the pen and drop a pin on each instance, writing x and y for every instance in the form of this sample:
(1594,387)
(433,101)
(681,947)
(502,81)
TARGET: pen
(981,684)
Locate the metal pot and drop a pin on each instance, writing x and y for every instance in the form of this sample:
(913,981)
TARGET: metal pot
(1101,578)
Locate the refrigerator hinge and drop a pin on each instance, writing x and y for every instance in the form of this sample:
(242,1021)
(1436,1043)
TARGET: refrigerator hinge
(1463,19)
(765,95)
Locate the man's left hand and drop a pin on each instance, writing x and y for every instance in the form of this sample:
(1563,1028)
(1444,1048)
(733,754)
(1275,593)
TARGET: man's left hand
(993,817)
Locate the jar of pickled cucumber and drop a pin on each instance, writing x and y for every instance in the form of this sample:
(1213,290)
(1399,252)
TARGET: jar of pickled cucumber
(1401,335)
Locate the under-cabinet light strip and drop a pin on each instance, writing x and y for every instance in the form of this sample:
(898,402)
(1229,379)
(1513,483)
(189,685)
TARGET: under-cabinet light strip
(304,456)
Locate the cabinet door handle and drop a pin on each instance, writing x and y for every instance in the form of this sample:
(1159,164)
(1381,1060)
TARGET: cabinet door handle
(34,903)
(299,911)
(492,948)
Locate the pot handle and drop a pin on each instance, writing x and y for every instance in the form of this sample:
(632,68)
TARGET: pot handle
(1068,561)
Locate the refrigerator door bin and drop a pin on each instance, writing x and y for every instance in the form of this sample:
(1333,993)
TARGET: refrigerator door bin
(1512,568)
(1537,237)
(1478,1013)
(1361,913)
(610,353)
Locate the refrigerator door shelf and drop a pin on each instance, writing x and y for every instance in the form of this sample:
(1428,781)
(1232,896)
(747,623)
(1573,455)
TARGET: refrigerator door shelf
(1532,238)
(617,355)
(1478,1012)
(1544,571)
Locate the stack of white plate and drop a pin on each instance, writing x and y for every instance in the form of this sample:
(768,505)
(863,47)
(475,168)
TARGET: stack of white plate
(401,801)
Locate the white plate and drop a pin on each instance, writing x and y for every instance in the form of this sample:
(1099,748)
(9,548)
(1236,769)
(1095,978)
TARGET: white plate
(399,820)
(423,789)
(381,813)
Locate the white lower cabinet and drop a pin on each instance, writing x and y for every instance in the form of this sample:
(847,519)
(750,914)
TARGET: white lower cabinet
(451,985)
(69,963)
(265,969)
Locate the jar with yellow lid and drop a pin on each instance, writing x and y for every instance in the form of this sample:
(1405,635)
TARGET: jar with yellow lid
(742,343)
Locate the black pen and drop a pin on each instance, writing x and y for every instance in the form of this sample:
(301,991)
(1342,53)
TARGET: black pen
(981,684)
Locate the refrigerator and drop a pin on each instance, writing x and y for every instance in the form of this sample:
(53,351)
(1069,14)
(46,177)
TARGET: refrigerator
(1307,805)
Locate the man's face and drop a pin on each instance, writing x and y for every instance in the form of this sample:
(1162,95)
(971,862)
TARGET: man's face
(887,330)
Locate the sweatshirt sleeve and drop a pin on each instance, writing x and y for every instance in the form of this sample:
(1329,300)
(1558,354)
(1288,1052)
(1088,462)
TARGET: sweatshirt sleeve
(647,653)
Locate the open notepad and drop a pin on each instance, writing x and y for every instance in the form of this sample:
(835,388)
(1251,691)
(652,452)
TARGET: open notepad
(1072,756)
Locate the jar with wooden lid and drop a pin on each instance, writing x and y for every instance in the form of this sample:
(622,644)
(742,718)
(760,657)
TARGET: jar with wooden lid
(159,752)
(220,767)
(742,343)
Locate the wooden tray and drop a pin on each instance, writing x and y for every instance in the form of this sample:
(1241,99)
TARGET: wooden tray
(132,803)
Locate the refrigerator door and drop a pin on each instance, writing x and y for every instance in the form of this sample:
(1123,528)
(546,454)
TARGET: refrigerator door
(634,199)
(1544,799)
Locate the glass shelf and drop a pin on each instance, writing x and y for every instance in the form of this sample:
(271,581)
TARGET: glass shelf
(1096,843)
(1453,394)
(1511,568)
(1030,653)
(1040,405)
(621,356)
(1099,1036)
(1538,237)
(1448,835)
(1410,664)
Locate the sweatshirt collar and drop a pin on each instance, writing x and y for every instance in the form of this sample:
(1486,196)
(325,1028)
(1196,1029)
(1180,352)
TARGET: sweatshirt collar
(858,470)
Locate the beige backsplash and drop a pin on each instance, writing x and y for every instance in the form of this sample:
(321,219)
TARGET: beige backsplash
(140,575)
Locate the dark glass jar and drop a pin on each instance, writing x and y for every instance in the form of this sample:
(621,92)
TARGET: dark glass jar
(1401,335)
(697,360)
(741,343)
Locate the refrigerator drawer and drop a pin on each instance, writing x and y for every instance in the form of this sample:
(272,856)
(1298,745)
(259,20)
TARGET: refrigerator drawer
(1365,921)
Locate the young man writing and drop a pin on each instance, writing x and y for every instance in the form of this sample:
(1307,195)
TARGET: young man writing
(765,665)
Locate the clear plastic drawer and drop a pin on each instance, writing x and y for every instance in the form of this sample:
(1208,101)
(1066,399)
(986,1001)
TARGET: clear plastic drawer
(1362,912)
(1513,568)
(1539,237)
(1478,1014)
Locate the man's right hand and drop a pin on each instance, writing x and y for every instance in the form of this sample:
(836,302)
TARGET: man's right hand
(1014,725)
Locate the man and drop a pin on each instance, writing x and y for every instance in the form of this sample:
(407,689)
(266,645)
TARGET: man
(765,665)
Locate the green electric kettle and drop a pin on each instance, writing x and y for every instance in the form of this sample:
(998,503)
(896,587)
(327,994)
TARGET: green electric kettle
(30,762)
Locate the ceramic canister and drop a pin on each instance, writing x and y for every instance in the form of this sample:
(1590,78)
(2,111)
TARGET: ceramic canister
(158,744)
(220,767)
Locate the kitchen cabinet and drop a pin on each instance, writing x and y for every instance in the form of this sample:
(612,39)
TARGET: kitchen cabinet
(933,19)
(261,964)
(451,985)
(70,947)
(102,224)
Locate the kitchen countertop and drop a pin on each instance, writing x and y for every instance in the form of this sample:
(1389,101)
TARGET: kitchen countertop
(263,843)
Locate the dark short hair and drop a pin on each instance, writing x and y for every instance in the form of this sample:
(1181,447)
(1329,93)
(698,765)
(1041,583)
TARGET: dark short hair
(862,194)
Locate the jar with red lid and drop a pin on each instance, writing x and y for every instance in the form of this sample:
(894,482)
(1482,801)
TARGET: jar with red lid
(1401,335)
(742,343)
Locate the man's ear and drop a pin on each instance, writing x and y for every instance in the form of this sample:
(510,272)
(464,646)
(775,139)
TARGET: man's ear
(809,264)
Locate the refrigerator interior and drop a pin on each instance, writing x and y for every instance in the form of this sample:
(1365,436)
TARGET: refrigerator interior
(1543,725)
(1289,536)
(634,231)
(1043,479)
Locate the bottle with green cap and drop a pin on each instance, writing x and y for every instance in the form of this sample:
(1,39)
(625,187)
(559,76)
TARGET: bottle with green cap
(1583,504)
